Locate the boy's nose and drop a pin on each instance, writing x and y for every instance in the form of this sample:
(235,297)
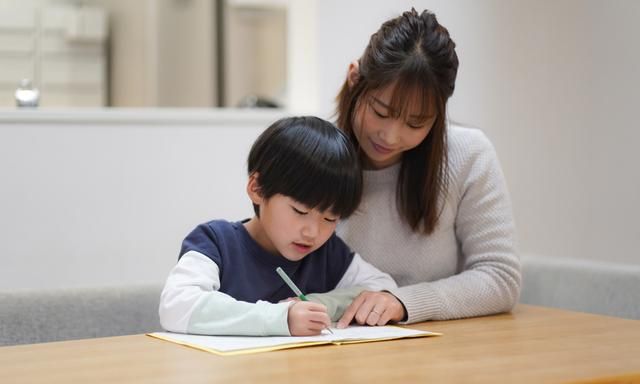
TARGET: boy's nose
(310,230)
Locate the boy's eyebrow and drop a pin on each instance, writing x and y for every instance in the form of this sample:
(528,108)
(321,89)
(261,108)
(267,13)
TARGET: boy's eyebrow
(417,117)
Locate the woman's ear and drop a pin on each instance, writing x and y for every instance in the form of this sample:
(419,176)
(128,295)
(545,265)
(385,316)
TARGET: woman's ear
(253,189)
(353,74)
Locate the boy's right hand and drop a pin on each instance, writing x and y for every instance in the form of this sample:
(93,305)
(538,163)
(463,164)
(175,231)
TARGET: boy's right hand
(307,318)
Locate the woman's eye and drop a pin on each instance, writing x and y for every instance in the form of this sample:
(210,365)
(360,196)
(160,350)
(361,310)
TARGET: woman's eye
(379,114)
(421,123)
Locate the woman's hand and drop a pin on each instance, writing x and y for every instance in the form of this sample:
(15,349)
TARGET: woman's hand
(373,308)
(306,318)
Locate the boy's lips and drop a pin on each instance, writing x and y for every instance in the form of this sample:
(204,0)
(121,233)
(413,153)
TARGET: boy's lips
(302,247)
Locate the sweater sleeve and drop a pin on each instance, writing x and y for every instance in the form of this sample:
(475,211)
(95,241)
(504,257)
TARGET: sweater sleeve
(490,278)
(191,303)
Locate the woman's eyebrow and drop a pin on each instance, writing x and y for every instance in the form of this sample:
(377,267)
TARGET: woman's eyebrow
(380,102)
(416,117)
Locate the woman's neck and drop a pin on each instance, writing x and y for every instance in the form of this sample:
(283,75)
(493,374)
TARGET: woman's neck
(368,165)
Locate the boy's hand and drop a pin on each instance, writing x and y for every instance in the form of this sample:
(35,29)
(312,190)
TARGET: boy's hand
(373,308)
(295,298)
(307,318)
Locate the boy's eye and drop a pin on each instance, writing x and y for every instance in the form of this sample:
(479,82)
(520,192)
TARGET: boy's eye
(299,212)
(331,220)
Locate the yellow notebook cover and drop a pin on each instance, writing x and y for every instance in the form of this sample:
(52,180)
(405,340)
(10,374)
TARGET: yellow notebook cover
(239,345)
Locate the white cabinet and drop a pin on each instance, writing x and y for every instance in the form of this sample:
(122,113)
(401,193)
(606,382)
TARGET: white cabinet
(61,48)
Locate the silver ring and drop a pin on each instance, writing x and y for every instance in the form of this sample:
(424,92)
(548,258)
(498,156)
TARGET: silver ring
(377,313)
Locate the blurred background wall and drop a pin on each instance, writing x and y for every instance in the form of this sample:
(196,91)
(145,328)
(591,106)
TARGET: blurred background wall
(552,83)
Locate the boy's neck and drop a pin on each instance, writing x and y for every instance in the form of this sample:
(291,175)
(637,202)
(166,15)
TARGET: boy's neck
(257,233)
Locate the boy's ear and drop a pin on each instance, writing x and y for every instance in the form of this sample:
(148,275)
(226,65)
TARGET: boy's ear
(253,189)
(353,74)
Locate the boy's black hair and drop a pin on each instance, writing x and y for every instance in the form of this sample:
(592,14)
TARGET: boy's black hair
(309,160)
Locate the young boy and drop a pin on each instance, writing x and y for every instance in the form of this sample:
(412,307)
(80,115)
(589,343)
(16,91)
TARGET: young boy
(304,176)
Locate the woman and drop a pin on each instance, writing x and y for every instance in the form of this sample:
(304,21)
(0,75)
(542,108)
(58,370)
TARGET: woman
(435,212)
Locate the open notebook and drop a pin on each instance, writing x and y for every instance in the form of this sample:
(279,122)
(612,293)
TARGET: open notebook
(237,345)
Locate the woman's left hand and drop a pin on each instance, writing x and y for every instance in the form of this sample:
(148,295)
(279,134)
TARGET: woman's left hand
(373,308)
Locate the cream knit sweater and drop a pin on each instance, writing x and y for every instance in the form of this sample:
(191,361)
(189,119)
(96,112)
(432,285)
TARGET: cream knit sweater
(468,266)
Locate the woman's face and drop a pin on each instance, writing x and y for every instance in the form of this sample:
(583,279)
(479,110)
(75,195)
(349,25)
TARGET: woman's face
(382,134)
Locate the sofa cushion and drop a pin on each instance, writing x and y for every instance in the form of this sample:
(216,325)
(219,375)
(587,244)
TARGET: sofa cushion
(34,316)
(582,285)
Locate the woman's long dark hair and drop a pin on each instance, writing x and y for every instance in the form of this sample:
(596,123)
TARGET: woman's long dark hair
(414,53)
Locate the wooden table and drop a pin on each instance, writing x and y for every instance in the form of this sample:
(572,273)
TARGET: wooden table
(529,345)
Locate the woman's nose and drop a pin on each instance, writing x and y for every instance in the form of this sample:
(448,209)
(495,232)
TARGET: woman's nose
(391,132)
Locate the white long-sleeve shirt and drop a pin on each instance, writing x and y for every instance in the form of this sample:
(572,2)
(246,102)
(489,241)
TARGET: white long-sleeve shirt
(191,301)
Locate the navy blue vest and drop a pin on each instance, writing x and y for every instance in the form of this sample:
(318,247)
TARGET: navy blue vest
(248,272)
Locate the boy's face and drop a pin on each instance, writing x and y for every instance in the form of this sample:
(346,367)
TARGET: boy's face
(291,229)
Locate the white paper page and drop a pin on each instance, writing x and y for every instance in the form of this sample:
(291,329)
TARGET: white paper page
(360,332)
(235,343)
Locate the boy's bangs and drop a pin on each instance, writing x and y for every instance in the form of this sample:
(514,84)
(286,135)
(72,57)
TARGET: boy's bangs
(309,160)
(323,187)
(326,190)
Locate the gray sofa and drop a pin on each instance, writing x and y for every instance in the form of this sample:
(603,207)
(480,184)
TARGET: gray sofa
(581,285)
(36,316)
(64,314)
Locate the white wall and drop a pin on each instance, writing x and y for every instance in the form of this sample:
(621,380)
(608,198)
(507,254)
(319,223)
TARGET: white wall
(554,84)
(106,197)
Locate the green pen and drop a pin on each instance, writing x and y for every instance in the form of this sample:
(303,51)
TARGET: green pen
(291,284)
(294,287)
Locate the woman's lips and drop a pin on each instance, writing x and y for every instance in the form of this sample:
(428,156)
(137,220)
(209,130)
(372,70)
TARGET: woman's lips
(381,149)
